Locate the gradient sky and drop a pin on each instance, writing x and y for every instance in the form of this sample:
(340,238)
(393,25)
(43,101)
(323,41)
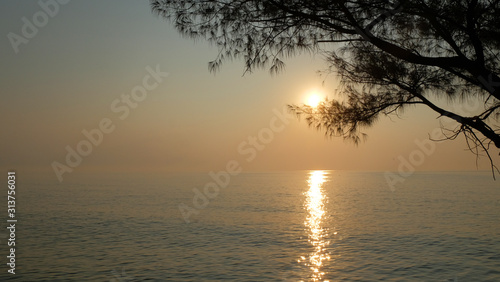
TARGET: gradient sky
(64,79)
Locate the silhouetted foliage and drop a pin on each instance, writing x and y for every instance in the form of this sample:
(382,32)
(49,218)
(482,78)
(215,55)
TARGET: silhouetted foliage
(388,54)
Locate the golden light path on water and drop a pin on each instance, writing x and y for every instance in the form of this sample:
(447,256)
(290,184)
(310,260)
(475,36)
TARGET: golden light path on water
(316,213)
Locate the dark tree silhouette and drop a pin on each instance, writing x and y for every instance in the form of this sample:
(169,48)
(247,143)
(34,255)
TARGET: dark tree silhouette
(389,55)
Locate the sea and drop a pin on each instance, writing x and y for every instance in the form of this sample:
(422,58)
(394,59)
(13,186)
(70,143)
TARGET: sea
(317,225)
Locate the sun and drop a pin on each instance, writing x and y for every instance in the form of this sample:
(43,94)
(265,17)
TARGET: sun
(313,100)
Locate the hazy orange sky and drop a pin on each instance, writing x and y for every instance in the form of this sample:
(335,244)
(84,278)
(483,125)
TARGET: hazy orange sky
(66,77)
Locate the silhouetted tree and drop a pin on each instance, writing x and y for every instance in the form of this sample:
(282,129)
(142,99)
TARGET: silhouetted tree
(388,54)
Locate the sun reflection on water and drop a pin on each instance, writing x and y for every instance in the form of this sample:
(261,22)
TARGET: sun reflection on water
(317,234)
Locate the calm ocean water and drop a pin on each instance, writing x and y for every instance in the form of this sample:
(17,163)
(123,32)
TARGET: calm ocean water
(294,226)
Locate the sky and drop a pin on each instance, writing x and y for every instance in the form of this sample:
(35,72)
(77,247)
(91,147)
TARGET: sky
(66,69)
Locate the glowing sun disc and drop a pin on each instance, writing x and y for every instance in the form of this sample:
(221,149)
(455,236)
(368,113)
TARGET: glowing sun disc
(313,100)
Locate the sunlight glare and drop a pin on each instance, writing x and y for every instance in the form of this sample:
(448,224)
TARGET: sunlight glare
(315,205)
(313,100)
